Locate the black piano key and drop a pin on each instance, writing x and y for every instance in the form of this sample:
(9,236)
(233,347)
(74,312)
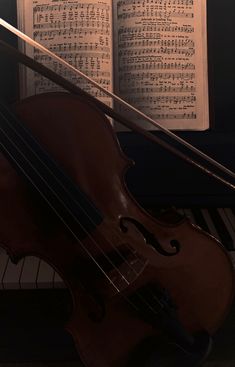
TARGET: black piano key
(200,219)
(226,239)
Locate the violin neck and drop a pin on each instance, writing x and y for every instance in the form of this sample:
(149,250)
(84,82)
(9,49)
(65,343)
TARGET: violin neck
(44,175)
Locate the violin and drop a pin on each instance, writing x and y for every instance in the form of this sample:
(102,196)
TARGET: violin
(137,283)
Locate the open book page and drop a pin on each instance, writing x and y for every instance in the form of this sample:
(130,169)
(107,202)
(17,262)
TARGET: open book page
(161,60)
(78,31)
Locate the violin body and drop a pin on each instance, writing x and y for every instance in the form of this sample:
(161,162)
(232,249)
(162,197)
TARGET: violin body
(146,254)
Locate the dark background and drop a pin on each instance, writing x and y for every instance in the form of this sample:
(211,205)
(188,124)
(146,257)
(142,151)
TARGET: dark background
(158,177)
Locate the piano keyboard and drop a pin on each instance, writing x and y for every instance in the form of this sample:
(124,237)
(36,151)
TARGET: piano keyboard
(29,273)
(33,273)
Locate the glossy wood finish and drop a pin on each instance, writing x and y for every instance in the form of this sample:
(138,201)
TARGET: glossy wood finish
(199,278)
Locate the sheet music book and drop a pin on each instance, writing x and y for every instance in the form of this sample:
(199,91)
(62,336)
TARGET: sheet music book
(151,53)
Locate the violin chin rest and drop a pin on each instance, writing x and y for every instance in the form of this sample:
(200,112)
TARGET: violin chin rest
(154,352)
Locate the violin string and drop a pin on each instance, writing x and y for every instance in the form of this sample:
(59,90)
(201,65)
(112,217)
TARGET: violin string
(175,137)
(87,251)
(68,227)
(172,135)
(33,152)
(73,89)
(153,311)
(166,131)
(153,122)
(120,254)
(81,244)
(54,209)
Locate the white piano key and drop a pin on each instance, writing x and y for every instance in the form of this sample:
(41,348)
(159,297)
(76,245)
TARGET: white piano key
(190,215)
(4,259)
(45,275)
(227,223)
(28,278)
(210,224)
(11,278)
(58,281)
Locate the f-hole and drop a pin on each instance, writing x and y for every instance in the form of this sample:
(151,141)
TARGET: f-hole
(149,236)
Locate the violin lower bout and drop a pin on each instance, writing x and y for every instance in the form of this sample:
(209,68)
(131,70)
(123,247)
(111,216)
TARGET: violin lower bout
(108,330)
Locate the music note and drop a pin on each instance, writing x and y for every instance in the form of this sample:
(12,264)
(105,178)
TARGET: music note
(156,55)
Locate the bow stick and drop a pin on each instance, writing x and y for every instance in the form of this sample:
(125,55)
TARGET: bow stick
(27,61)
